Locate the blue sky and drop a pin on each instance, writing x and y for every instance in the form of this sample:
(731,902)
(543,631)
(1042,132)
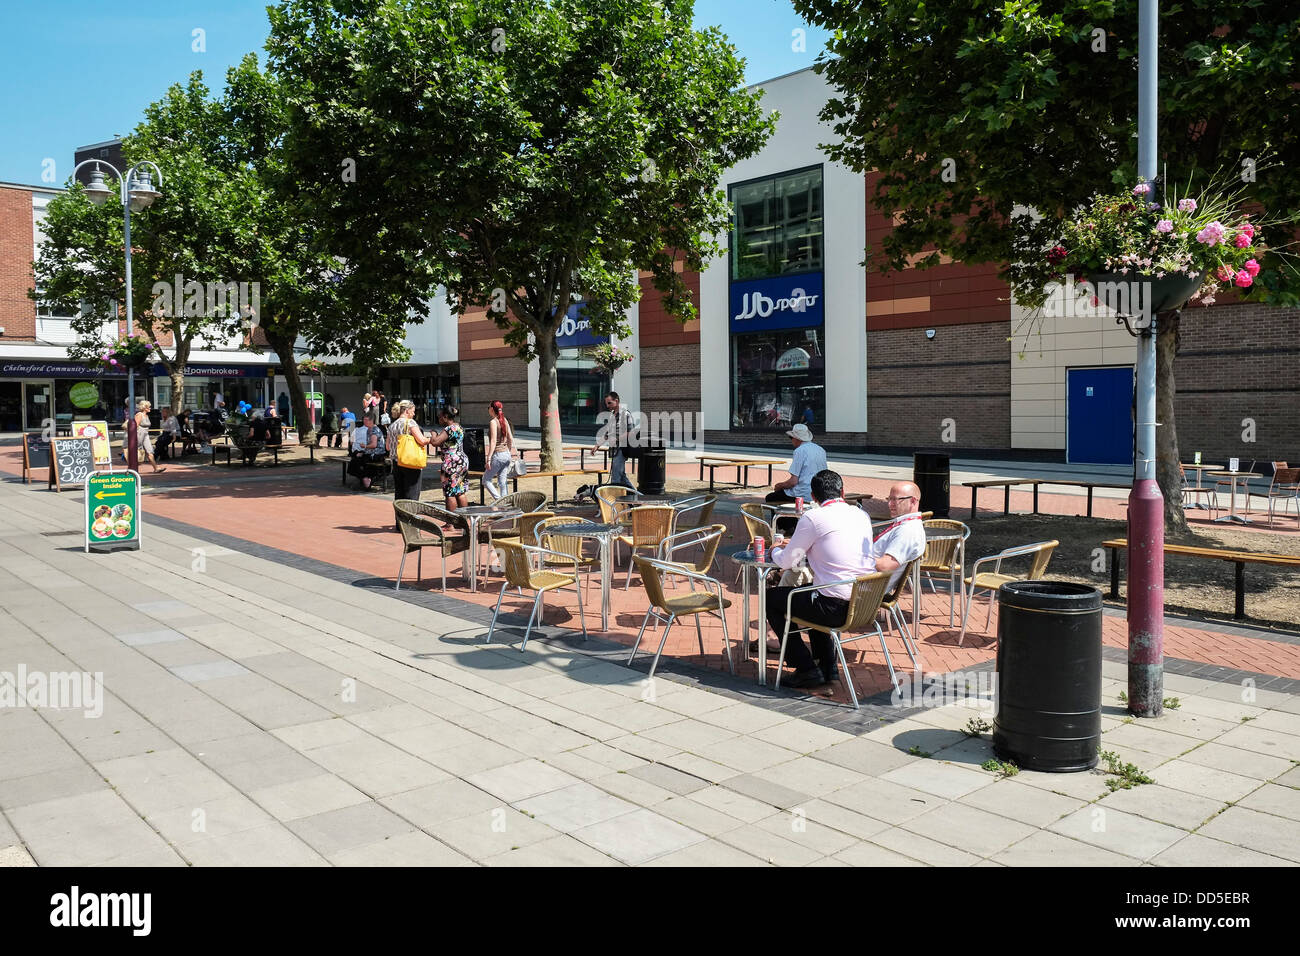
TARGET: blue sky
(76,72)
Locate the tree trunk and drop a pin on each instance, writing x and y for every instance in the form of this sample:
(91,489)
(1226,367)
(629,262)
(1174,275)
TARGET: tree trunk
(283,346)
(1167,459)
(177,376)
(549,400)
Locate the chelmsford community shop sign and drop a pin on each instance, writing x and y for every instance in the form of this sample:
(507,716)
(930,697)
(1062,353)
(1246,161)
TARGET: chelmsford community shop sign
(113,511)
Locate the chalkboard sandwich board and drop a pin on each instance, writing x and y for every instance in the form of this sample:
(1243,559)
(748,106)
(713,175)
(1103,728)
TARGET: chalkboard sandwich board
(36,454)
(72,461)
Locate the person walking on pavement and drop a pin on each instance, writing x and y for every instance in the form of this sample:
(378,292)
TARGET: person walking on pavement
(615,435)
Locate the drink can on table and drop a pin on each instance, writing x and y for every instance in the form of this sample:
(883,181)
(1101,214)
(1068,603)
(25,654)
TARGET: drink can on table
(760,547)
(798,506)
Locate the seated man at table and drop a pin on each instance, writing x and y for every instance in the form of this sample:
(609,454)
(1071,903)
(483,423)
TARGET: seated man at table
(903,538)
(808,459)
(835,539)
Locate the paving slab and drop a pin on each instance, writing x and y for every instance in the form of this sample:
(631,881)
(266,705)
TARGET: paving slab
(561,850)
(412,848)
(968,829)
(1262,832)
(1118,832)
(348,827)
(82,830)
(1201,851)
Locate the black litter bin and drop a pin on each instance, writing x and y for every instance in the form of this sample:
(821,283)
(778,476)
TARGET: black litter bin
(1049,676)
(474,449)
(652,469)
(931,471)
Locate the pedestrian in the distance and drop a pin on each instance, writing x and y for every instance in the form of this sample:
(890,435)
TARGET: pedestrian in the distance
(406,481)
(500,450)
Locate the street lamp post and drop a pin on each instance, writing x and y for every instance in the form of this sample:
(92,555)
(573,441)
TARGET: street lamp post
(136,191)
(1146,512)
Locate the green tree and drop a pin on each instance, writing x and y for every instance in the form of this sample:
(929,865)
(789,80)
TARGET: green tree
(227,214)
(534,153)
(1034,104)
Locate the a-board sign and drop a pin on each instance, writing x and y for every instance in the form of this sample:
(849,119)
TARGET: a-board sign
(113,510)
(97,432)
(72,461)
(36,454)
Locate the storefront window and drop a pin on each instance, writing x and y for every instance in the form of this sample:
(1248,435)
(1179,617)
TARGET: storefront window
(780,380)
(582,386)
(777,225)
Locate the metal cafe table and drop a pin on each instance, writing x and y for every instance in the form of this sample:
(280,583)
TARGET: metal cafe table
(604,535)
(1245,477)
(473,514)
(747,561)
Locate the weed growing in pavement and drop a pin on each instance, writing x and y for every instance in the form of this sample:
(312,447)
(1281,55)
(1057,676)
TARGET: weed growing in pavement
(1123,697)
(916,751)
(1128,774)
(1172,703)
(1002,769)
(1244,719)
(976,726)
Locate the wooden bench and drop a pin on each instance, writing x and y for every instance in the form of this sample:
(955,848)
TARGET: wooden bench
(582,450)
(555,477)
(385,473)
(714,462)
(1239,558)
(1006,484)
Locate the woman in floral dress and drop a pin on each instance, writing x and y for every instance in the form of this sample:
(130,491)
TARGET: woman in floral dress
(455,465)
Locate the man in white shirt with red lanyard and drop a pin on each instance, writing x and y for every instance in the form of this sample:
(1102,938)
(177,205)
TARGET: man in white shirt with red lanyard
(903,539)
(835,538)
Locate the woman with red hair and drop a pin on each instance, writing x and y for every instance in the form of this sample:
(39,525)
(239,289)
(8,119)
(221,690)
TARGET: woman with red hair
(500,451)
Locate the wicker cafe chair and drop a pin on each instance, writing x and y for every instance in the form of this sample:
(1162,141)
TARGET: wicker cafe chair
(860,618)
(529,502)
(521,574)
(700,510)
(607,497)
(417,521)
(666,610)
(1041,554)
(650,524)
(945,557)
(707,539)
(891,604)
(570,546)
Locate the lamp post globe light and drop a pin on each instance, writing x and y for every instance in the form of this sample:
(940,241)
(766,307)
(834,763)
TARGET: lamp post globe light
(137,193)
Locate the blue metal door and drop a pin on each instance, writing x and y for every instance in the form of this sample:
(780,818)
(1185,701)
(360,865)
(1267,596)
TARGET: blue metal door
(1099,416)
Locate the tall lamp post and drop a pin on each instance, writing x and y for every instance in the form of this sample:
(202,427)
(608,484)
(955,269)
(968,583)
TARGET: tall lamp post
(1146,511)
(136,191)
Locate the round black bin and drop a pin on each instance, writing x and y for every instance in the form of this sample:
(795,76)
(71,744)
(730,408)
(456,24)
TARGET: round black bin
(931,471)
(474,449)
(1049,676)
(652,469)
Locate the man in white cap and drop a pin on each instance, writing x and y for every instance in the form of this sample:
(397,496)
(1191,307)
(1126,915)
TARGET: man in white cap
(808,459)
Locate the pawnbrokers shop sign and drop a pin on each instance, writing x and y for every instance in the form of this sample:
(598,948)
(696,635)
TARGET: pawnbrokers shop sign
(785,302)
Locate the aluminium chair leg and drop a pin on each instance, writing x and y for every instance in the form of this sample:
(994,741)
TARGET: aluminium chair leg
(637,643)
(582,615)
(780,659)
(663,640)
(889,661)
(844,670)
(726,641)
(699,634)
(965,615)
(493,627)
(400,568)
(537,603)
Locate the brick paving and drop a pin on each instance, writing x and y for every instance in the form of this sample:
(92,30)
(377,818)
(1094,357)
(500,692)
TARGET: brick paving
(261,707)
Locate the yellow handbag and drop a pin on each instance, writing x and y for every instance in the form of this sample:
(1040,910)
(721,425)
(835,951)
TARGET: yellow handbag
(410,454)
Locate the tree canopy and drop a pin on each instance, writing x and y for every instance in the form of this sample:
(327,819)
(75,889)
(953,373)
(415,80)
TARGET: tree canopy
(530,154)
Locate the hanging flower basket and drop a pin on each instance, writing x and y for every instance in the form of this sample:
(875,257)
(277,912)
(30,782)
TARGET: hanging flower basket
(609,358)
(1142,257)
(126,354)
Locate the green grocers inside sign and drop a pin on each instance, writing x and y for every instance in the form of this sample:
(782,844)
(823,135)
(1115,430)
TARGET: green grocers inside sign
(113,511)
(84,395)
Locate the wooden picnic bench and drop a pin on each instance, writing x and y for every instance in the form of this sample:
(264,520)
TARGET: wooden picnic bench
(1239,558)
(555,477)
(714,462)
(582,451)
(1006,484)
(230,448)
(386,471)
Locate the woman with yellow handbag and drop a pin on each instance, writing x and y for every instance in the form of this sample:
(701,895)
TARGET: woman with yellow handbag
(410,456)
